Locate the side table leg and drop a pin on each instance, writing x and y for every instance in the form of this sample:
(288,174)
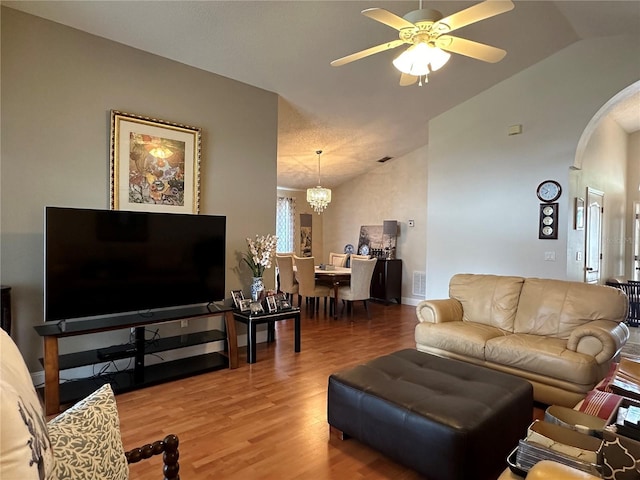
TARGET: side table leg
(251,348)
(297,332)
(232,339)
(51,376)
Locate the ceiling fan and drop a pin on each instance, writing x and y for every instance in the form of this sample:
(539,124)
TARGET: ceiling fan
(427,32)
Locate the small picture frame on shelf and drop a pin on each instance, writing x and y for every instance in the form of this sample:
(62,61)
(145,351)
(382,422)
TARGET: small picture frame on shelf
(284,304)
(272,304)
(237,296)
(245,305)
(256,308)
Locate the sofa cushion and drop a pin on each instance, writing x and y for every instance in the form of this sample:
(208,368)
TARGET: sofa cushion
(25,450)
(488,299)
(86,439)
(555,307)
(463,338)
(546,356)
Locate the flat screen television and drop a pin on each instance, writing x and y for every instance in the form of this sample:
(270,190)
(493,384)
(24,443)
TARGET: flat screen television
(101,262)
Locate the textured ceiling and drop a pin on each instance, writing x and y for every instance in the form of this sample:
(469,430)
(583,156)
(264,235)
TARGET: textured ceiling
(356,113)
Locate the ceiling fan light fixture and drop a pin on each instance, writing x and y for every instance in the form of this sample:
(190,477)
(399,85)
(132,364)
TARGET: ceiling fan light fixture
(318,197)
(421,59)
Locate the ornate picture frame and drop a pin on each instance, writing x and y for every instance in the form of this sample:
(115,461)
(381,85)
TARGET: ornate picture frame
(154,165)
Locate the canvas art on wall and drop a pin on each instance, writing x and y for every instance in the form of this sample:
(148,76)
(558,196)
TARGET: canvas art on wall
(306,222)
(155,165)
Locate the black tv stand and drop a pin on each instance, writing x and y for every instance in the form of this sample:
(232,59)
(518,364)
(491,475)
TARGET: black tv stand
(140,375)
(116,352)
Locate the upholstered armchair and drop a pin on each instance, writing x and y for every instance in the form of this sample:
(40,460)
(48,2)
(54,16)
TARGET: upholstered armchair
(82,442)
(549,470)
(288,283)
(360,285)
(338,259)
(305,274)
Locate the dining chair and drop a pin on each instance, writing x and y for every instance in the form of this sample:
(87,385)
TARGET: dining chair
(361,257)
(360,286)
(286,278)
(305,274)
(338,259)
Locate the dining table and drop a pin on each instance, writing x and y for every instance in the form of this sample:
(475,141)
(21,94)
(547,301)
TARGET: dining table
(336,277)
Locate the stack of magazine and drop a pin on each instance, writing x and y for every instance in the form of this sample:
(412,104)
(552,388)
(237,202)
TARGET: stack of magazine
(548,441)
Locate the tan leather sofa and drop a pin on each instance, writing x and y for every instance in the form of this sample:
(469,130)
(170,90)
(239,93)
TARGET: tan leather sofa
(560,336)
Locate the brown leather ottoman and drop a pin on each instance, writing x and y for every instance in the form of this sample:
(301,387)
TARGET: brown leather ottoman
(444,418)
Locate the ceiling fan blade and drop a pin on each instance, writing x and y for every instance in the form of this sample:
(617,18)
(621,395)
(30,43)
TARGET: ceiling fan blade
(469,48)
(406,79)
(481,11)
(390,19)
(365,53)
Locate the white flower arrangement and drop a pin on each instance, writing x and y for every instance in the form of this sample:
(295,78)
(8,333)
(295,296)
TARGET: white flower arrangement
(260,254)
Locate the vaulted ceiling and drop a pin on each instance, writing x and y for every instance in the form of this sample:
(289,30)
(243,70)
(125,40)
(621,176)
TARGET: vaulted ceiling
(356,113)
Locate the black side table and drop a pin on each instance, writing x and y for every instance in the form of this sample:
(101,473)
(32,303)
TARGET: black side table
(5,307)
(252,320)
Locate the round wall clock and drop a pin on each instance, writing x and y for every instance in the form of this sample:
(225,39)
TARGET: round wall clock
(549,191)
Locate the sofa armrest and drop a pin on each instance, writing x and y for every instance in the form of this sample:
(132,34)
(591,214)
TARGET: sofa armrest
(439,311)
(602,339)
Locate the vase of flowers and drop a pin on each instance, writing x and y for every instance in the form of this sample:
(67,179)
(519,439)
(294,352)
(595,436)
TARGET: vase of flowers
(259,257)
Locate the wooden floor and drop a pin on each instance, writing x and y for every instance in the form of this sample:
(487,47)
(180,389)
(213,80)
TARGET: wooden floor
(268,420)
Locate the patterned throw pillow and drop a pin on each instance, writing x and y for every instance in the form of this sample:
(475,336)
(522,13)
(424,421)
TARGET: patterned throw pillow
(25,451)
(86,441)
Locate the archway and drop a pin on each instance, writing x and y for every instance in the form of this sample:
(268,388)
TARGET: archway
(603,154)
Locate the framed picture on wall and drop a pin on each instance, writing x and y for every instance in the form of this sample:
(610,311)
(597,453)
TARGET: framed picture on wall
(155,165)
(578,220)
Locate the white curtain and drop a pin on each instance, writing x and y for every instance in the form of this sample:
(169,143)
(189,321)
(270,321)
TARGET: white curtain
(285,224)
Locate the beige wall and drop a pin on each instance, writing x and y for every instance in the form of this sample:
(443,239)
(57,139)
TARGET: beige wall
(482,209)
(633,189)
(58,87)
(396,190)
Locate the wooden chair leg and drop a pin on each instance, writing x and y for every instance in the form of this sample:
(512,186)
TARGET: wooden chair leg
(366,308)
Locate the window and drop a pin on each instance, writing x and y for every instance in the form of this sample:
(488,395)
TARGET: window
(285,224)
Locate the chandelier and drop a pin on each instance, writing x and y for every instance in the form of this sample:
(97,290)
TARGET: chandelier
(318,197)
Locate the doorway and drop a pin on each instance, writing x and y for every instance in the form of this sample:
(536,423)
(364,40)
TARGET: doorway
(635,258)
(593,235)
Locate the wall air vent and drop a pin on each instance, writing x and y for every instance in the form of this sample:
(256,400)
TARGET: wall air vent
(420,283)
(384,159)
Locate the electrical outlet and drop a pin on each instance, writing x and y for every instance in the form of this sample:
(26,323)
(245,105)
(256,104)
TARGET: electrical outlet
(184,323)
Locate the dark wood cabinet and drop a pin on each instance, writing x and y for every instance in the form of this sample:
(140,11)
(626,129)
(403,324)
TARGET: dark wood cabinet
(386,283)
